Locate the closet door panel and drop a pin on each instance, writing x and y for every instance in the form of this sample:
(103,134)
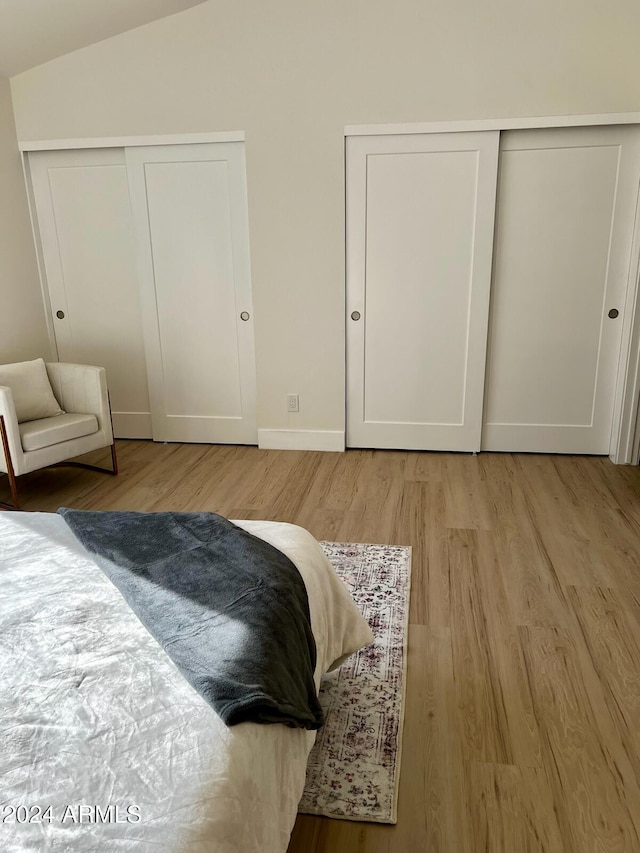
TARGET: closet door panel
(190,227)
(191,221)
(85,224)
(419,236)
(566,206)
(403,326)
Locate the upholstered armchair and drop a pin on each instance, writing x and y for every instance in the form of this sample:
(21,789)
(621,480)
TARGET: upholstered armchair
(49,413)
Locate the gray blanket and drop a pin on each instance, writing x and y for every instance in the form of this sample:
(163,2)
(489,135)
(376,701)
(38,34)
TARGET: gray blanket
(229,609)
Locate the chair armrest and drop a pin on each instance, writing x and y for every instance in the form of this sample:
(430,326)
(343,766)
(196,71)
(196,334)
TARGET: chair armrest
(8,412)
(82,389)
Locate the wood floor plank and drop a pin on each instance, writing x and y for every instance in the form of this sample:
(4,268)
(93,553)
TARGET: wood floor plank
(424,467)
(615,544)
(535,594)
(511,809)
(346,479)
(272,477)
(432,802)
(596,797)
(564,527)
(437,581)
(481,707)
(372,512)
(507,659)
(493,691)
(622,482)
(289,499)
(578,484)
(317,834)
(465,495)
(614,648)
(419,520)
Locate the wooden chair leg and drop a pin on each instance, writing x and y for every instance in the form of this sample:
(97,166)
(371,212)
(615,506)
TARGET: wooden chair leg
(114,458)
(13,485)
(69,463)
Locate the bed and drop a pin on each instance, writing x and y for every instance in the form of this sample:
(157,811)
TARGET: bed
(105,745)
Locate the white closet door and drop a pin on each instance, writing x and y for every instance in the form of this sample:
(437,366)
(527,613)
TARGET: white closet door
(566,206)
(190,212)
(420,212)
(85,224)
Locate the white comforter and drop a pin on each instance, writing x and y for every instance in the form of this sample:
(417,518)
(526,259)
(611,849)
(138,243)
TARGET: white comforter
(104,746)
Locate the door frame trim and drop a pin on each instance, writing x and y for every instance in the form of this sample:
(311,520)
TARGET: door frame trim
(131,141)
(492,124)
(625,434)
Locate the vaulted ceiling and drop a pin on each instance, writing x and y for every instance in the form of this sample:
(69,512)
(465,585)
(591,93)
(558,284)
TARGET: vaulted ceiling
(35,31)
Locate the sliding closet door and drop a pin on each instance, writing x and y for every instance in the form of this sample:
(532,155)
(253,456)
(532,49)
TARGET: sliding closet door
(420,212)
(190,213)
(86,233)
(565,214)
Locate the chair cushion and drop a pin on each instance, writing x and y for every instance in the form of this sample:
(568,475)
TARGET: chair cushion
(31,390)
(47,431)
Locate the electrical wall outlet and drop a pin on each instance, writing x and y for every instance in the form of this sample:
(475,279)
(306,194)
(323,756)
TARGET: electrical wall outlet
(293,403)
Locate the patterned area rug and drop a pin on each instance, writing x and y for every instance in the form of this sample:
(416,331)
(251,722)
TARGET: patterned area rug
(354,767)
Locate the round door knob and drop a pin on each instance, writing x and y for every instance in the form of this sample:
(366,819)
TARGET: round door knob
(355,315)
(613,313)
(244,315)
(60,315)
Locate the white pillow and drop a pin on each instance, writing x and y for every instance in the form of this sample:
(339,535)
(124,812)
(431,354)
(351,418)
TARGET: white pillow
(31,389)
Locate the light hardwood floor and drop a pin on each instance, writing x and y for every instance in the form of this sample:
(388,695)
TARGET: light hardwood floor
(522,727)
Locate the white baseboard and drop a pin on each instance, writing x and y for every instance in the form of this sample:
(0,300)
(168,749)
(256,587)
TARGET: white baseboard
(301,439)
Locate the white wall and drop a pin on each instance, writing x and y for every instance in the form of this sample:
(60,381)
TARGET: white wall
(23,333)
(291,74)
